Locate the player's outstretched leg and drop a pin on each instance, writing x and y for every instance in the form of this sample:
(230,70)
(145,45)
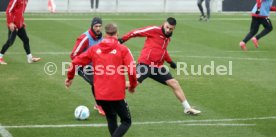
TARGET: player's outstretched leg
(181,97)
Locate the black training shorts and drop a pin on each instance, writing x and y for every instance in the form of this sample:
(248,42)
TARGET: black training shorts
(160,74)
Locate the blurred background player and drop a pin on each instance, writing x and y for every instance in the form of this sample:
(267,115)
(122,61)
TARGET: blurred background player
(51,6)
(96,3)
(89,38)
(16,26)
(207,5)
(153,55)
(260,15)
(109,88)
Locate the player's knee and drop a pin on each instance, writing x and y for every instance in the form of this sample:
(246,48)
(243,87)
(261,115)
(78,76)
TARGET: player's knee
(270,28)
(173,82)
(127,122)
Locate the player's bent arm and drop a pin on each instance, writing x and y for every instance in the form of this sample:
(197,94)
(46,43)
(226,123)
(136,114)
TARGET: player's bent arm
(10,11)
(81,60)
(80,46)
(141,32)
(128,60)
(169,60)
(259,3)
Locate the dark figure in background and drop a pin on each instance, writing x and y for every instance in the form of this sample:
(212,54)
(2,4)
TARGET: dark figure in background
(207,5)
(96,3)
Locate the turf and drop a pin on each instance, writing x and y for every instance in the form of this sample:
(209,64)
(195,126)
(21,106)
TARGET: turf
(28,96)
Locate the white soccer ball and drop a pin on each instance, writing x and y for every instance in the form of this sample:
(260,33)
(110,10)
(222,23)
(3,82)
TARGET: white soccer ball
(82,113)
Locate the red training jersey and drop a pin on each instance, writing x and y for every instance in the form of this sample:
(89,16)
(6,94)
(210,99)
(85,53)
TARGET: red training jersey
(154,51)
(82,44)
(15,11)
(108,57)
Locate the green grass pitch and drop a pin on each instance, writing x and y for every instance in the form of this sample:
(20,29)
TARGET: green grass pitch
(240,105)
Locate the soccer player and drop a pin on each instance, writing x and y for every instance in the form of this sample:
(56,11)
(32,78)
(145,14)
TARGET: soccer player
(89,38)
(96,3)
(16,26)
(153,55)
(52,6)
(109,57)
(207,5)
(260,16)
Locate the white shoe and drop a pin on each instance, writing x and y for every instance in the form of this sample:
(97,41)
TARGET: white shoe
(33,59)
(192,111)
(2,62)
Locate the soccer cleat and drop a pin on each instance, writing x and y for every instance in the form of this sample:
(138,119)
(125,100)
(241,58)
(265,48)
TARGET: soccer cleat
(100,110)
(33,59)
(2,62)
(192,111)
(243,46)
(255,41)
(202,18)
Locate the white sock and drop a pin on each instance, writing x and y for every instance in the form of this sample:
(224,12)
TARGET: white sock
(29,56)
(1,55)
(186,105)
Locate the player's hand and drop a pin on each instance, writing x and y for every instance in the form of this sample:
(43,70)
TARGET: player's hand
(12,27)
(131,90)
(172,65)
(257,11)
(127,84)
(121,40)
(68,83)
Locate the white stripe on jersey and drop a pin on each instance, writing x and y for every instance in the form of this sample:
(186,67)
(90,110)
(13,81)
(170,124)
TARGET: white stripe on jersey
(80,45)
(146,29)
(13,4)
(130,53)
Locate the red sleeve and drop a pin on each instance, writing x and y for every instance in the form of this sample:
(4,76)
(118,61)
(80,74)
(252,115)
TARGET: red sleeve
(10,11)
(167,57)
(273,8)
(259,3)
(131,68)
(80,46)
(142,32)
(81,60)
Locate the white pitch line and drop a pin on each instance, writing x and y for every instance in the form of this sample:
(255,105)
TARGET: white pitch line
(259,51)
(172,54)
(236,58)
(200,122)
(4,132)
(41,53)
(220,124)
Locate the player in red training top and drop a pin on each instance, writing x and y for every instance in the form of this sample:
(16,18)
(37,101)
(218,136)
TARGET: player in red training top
(153,55)
(109,59)
(17,27)
(88,39)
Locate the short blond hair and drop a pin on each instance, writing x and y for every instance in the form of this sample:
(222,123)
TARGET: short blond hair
(111,29)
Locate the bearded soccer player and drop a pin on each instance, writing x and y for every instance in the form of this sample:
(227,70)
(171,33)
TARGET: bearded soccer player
(17,27)
(260,16)
(109,59)
(153,55)
(88,39)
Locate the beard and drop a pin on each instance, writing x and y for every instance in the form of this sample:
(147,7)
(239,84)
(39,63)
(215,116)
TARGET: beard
(166,33)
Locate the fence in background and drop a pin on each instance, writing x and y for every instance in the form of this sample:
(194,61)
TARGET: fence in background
(119,5)
(136,5)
